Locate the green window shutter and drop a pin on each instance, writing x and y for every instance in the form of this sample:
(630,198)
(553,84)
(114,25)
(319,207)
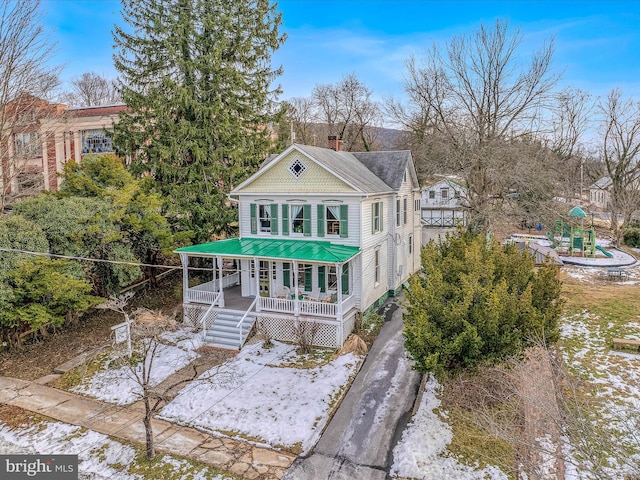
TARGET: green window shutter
(344,221)
(322,275)
(308,282)
(306,223)
(381,217)
(254,220)
(286,274)
(285,219)
(320,220)
(345,279)
(274,219)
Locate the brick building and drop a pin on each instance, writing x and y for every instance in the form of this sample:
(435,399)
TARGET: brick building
(39,137)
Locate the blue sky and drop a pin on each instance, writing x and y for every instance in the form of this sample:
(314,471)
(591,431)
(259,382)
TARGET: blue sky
(597,43)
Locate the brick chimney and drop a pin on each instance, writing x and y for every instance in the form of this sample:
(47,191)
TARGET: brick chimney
(335,143)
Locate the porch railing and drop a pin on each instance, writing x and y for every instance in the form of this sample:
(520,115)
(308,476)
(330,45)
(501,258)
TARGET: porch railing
(321,309)
(209,292)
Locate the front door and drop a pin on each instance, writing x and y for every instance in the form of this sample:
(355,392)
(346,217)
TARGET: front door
(265,279)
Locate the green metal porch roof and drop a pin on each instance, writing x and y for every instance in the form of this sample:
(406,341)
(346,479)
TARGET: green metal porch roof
(304,250)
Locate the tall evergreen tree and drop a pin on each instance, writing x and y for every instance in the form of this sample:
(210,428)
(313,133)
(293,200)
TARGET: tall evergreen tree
(197,77)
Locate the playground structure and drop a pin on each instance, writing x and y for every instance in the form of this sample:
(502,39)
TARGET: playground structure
(571,238)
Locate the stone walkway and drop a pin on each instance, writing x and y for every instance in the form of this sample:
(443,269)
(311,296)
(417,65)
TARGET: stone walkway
(125,422)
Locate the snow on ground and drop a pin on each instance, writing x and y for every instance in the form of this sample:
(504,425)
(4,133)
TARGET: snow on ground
(270,401)
(117,385)
(100,458)
(422,450)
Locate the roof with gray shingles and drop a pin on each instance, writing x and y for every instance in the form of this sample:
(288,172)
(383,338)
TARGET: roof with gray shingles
(350,168)
(388,166)
(370,172)
(601,184)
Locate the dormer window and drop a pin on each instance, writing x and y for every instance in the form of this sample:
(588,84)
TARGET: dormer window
(297,168)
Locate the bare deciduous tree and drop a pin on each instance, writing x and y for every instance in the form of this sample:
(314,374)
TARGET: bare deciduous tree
(474,105)
(300,114)
(349,111)
(147,331)
(621,154)
(26,80)
(92,89)
(571,118)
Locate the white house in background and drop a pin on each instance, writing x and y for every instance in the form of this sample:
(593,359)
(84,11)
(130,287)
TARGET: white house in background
(599,195)
(442,205)
(324,235)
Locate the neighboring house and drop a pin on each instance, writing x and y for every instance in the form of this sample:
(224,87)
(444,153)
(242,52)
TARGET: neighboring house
(599,195)
(600,192)
(41,136)
(442,205)
(324,235)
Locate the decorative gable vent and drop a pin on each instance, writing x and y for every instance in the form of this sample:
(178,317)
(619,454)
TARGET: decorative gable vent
(297,168)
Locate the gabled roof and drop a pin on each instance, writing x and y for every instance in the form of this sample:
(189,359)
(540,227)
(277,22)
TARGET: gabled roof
(388,166)
(303,250)
(601,184)
(368,172)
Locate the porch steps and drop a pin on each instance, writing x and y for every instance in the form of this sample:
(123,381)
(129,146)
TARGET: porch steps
(224,332)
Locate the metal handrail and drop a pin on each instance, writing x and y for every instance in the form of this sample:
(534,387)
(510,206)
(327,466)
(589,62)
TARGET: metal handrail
(239,325)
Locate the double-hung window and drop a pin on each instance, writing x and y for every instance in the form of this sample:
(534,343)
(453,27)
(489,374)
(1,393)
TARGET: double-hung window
(376,217)
(397,212)
(264,218)
(377,266)
(333,219)
(300,220)
(404,202)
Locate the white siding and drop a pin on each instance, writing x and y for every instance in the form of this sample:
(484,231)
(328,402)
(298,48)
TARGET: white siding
(371,290)
(353,217)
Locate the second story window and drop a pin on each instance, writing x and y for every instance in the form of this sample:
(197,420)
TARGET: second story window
(404,201)
(376,217)
(264,218)
(416,205)
(333,220)
(301,220)
(28,144)
(432,194)
(397,212)
(444,193)
(96,141)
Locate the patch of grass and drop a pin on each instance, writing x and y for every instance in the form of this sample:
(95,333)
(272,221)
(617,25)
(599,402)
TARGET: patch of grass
(317,358)
(178,469)
(369,328)
(80,374)
(477,447)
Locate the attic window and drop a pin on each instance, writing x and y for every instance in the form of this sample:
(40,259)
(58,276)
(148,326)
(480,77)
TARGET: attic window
(297,168)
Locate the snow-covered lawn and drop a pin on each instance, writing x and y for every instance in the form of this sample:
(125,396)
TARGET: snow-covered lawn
(117,384)
(422,450)
(272,400)
(100,458)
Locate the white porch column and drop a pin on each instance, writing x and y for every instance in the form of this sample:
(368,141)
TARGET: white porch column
(45,162)
(296,301)
(77,146)
(221,298)
(256,270)
(184,259)
(339,292)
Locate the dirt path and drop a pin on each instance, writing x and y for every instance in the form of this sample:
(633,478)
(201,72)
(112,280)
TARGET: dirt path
(541,418)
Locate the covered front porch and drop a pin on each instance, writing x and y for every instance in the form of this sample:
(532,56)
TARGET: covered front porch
(279,280)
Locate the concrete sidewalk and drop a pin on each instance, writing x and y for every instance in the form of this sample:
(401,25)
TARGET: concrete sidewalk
(358,441)
(240,458)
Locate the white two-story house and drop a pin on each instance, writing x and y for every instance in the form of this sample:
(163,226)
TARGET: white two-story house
(443,204)
(324,235)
